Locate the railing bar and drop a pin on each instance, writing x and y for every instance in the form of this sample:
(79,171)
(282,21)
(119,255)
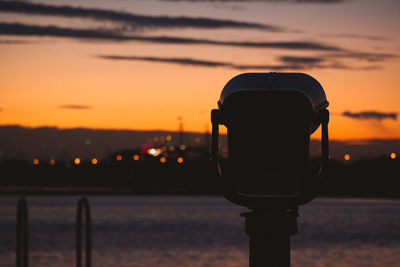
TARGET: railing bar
(22,234)
(88,233)
(83,203)
(78,245)
(18,235)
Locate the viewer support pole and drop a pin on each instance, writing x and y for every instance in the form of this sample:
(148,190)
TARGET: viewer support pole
(269,236)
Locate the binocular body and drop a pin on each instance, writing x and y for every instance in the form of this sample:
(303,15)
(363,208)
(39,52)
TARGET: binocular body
(269,120)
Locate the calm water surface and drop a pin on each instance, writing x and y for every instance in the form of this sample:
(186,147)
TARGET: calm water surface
(200,231)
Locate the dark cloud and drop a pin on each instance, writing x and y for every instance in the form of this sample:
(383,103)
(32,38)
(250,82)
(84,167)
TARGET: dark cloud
(341,66)
(75,107)
(301,60)
(266,1)
(362,56)
(17,29)
(330,60)
(314,1)
(14,42)
(371,115)
(286,63)
(133,20)
(53,31)
(201,63)
(358,36)
(322,62)
(327,60)
(370,57)
(179,61)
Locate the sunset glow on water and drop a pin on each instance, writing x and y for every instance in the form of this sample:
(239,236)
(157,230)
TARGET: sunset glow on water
(200,231)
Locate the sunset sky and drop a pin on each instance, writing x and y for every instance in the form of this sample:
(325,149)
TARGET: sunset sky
(142,64)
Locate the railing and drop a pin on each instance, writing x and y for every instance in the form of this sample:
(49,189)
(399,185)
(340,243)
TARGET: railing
(22,252)
(22,232)
(83,206)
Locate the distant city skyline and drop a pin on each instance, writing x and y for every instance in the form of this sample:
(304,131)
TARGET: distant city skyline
(139,65)
(67,144)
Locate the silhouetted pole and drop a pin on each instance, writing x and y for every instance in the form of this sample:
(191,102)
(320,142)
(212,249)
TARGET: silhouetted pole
(269,234)
(22,253)
(83,206)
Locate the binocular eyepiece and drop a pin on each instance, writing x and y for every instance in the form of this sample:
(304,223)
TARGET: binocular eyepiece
(269,119)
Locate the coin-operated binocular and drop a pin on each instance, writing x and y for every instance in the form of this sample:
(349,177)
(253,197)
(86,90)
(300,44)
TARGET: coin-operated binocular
(269,119)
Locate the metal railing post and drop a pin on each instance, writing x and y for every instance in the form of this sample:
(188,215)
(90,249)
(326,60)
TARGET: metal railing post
(83,204)
(22,242)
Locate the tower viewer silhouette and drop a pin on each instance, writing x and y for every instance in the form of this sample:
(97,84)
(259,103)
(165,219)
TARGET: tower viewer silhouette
(269,119)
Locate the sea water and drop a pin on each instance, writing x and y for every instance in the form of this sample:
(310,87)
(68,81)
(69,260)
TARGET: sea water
(199,231)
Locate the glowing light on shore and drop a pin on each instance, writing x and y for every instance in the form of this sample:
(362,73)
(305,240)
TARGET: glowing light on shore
(393,155)
(182,147)
(95,161)
(347,157)
(168,138)
(136,157)
(180,160)
(118,157)
(77,161)
(154,151)
(163,159)
(35,161)
(52,162)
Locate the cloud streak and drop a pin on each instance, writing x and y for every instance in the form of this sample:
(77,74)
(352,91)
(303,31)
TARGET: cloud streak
(205,63)
(178,61)
(75,107)
(210,64)
(266,1)
(18,29)
(135,21)
(358,36)
(286,63)
(301,60)
(54,31)
(14,42)
(331,52)
(370,115)
(370,57)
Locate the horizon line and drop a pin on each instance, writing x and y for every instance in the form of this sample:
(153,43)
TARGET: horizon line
(356,141)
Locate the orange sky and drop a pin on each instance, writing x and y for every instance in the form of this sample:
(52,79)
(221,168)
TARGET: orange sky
(42,74)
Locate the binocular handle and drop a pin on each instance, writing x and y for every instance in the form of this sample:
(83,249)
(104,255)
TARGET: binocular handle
(324,117)
(317,180)
(215,120)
